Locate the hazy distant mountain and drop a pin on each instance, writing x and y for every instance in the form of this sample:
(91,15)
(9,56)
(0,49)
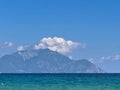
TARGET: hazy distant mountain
(44,61)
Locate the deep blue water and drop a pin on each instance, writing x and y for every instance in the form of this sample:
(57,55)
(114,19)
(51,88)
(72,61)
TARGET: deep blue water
(59,81)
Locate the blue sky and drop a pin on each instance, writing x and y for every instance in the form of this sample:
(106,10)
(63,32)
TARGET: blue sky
(93,22)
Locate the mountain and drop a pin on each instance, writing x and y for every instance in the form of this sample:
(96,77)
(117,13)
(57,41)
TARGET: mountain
(44,61)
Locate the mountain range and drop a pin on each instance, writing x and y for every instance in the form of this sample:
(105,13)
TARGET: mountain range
(44,61)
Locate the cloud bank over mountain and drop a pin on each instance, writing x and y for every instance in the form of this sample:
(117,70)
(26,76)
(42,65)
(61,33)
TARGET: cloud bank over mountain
(58,44)
(54,44)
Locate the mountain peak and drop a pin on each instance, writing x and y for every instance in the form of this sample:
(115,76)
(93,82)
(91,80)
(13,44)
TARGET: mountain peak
(30,53)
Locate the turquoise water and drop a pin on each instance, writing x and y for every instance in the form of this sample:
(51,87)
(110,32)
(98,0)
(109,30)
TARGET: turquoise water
(59,81)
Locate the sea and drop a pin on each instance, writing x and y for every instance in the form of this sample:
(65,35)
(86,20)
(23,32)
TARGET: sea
(59,81)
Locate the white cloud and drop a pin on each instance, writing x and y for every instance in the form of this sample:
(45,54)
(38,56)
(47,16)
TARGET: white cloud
(20,48)
(58,44)
(105,58)
(6,45)
(114,57)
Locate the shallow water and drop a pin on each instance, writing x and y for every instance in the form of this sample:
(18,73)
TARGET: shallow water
(59,81)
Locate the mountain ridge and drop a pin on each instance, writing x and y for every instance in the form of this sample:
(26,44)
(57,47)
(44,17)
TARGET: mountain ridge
(44,61)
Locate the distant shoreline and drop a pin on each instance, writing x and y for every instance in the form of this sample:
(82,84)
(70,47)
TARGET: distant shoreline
(59,73)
